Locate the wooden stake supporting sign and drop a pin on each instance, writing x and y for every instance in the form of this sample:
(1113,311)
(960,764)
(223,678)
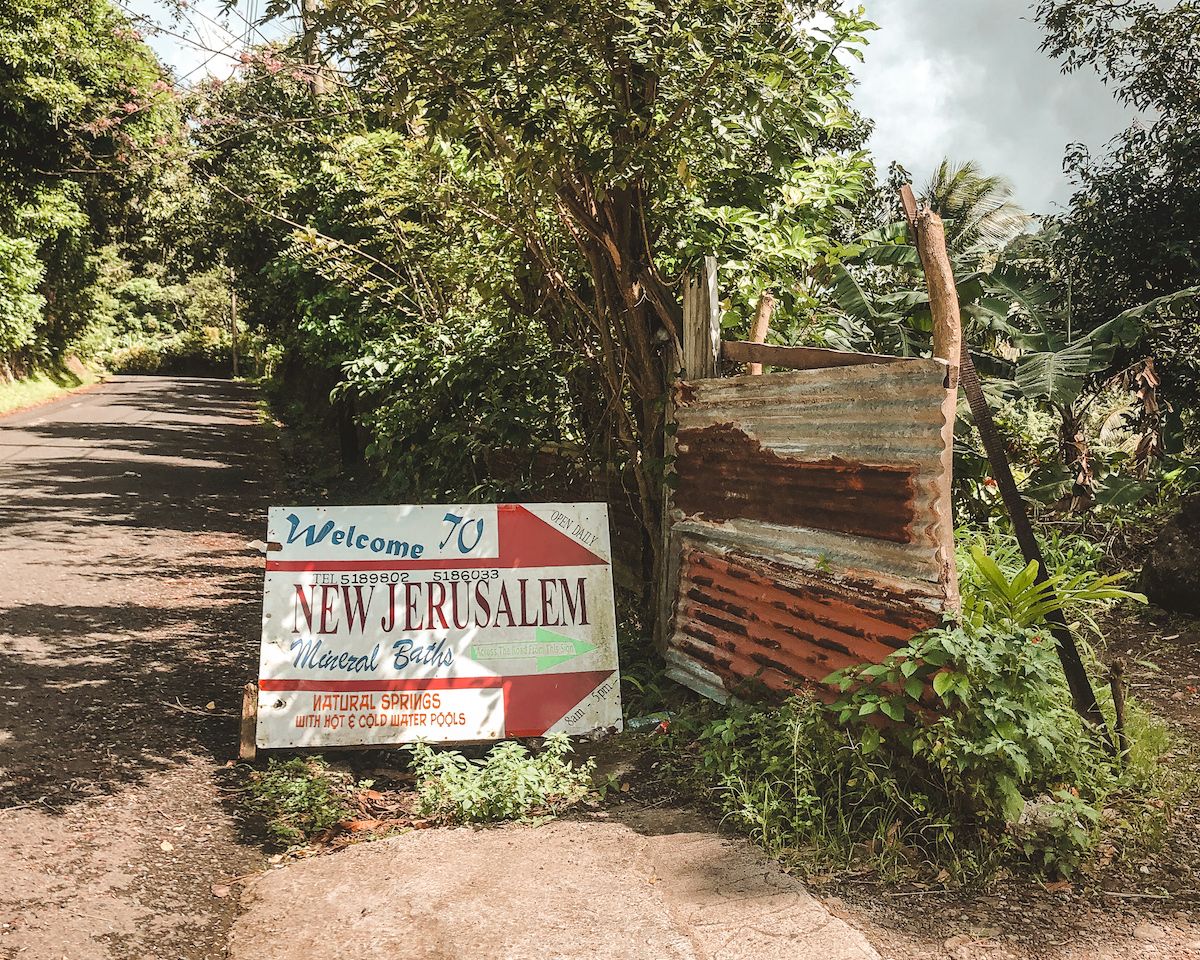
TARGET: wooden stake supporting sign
(247,749)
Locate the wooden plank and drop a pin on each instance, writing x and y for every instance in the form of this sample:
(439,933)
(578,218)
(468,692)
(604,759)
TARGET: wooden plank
(798,358)
(702,323)
(247,747)
(668,576)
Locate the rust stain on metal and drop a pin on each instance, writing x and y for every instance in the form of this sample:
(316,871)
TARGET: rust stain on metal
(748,620)
(725,473)
(811,524)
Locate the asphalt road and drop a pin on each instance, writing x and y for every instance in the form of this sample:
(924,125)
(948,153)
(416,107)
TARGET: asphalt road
(128,603)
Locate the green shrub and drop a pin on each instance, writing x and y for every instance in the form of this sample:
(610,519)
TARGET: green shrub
(802,788)
(510,784)
(20,303)
(960,751)
(299,798)
(983,720)
(199,352)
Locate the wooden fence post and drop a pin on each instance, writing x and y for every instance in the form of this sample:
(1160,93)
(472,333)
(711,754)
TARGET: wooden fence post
(947,345)
(702,323)
(762,323)
(667,569)
(700,359)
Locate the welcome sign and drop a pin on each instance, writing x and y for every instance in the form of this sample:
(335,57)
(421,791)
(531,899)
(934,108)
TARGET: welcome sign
(392,624)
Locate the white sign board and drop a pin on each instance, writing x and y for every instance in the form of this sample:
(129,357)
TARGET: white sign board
(386,625)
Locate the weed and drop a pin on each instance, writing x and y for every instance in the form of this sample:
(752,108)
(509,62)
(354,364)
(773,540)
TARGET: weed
(509,784)
(1162,777)
(299,798)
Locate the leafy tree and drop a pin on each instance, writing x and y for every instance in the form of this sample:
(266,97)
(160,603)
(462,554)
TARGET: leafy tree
(88,128)
(980,214)
(1016,303)
(414,313)
(1133,229)
(20,304)
(617,143)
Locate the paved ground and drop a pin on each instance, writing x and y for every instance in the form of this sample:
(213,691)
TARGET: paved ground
(658,885)
(128,603)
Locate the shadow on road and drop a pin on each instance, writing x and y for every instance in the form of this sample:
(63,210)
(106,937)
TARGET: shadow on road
(129,594)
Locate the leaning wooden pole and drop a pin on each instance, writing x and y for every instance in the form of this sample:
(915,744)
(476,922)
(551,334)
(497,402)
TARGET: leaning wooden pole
(943,304)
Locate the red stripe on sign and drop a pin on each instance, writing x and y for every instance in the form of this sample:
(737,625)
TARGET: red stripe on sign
(533,704)
(525,541)
(362,686)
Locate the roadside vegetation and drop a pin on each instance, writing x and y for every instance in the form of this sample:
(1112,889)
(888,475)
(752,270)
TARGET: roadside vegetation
(300,798)
(307,800)
(44,384)
(956,757)
(510,783)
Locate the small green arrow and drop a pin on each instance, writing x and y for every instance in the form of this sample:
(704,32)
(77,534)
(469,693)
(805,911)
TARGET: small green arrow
(548,649)
(579,648)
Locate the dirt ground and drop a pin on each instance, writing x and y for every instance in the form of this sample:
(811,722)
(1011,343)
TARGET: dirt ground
(129,619)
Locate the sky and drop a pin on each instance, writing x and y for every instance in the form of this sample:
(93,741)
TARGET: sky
(201,40)
(962,79)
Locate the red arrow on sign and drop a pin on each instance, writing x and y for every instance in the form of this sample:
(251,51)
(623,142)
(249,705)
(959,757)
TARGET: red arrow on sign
(526,540)
(534,703)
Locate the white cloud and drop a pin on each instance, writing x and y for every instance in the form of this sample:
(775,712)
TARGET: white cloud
(966,80)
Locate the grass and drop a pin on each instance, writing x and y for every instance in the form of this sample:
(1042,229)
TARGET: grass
(508,784)
(299,798)
(42,386)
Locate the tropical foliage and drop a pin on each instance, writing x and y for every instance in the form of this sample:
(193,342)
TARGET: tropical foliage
(457,234)
(91,137)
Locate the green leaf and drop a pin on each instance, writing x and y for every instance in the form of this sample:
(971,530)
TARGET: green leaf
(893,709)
(891,254)
(848,295)
(1056,376)
(943,682)
(1012,803)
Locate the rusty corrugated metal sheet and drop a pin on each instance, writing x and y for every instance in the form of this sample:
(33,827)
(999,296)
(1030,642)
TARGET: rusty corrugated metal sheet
(810,522)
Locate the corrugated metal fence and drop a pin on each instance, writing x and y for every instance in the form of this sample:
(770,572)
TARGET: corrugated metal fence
(810,525)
